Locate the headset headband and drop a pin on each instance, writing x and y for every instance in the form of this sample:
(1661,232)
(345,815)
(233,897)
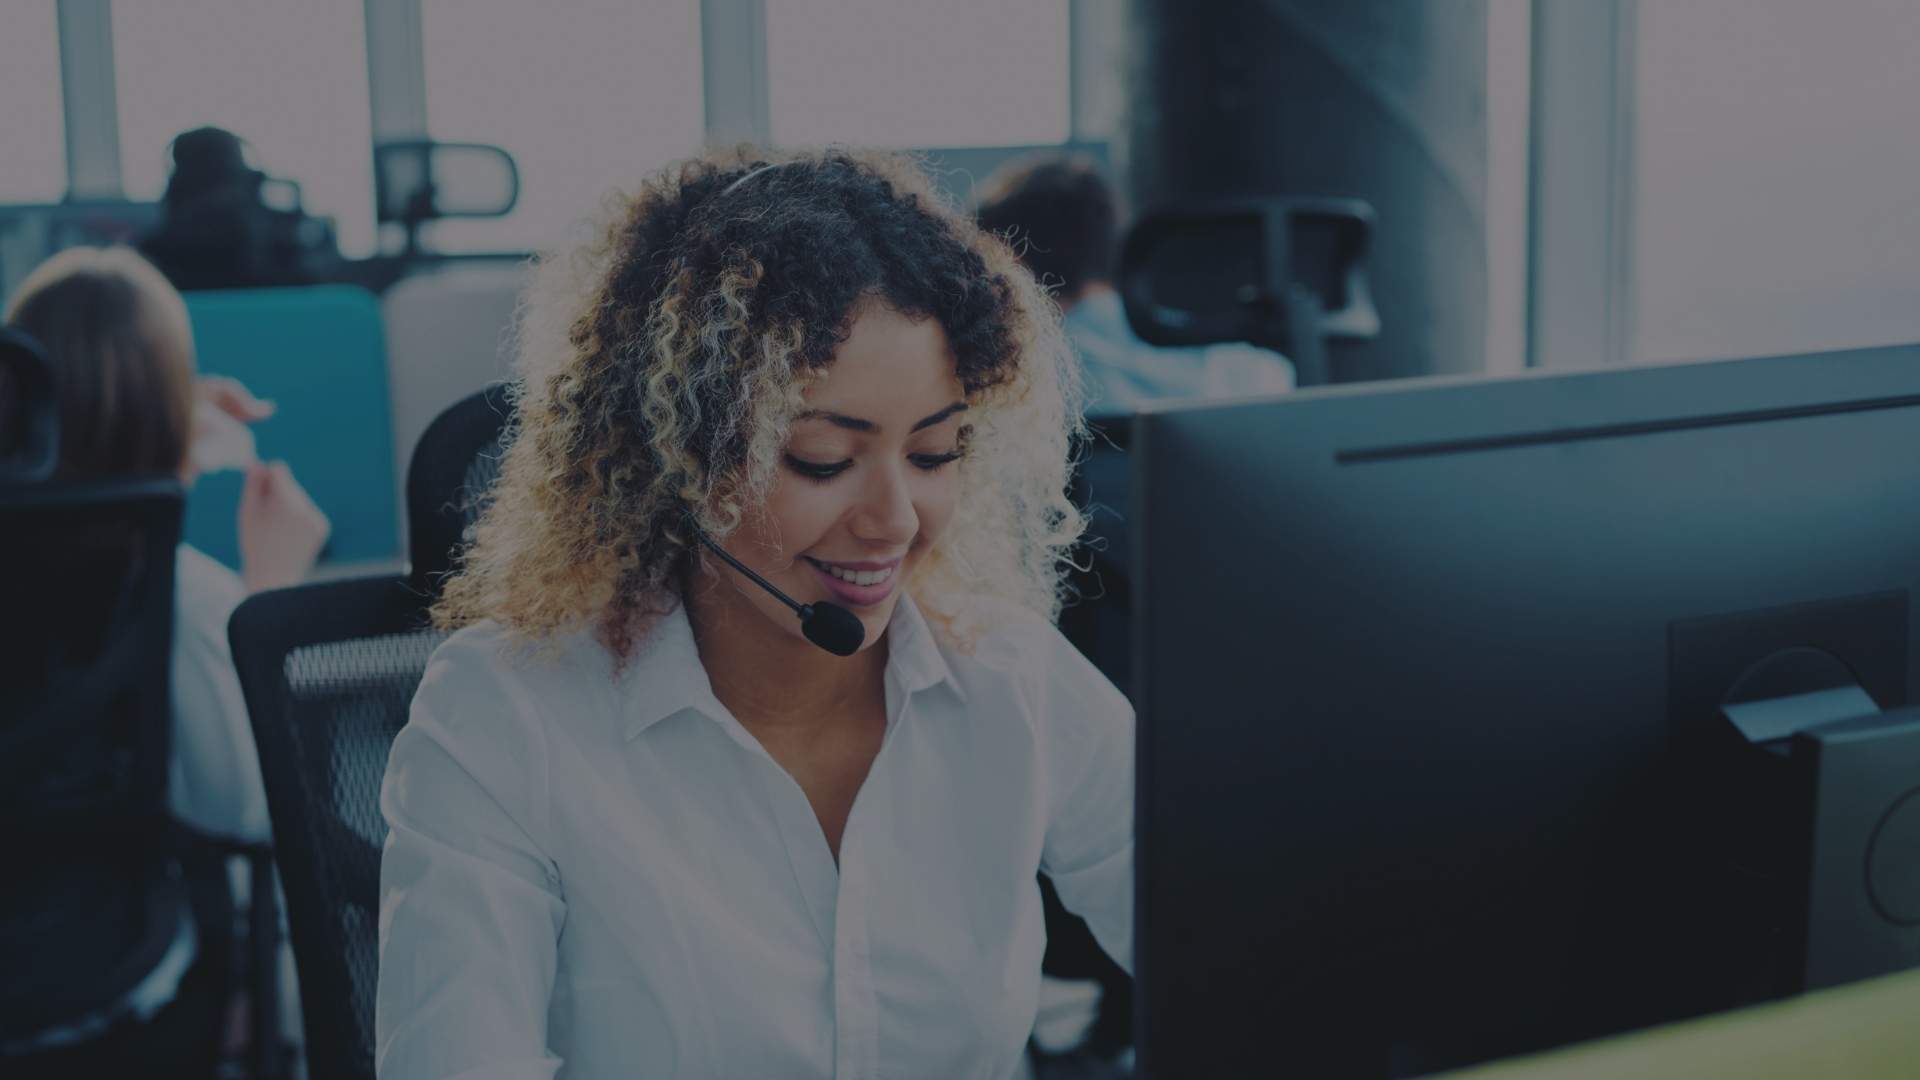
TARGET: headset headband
(750,176)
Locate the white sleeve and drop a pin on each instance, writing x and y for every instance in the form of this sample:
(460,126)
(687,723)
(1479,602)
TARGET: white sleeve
(470,903)
(1089,844)
(1237,370)
(213,781)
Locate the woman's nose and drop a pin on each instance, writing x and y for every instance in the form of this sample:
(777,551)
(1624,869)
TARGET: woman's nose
(886,513)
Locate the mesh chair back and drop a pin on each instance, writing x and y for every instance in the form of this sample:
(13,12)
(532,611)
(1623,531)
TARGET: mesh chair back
(1098,623)
(450,478)
(86,584)
(329,671)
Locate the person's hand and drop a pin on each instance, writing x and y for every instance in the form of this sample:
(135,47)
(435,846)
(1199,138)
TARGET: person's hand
(232,397)
(281,530)
(222,409)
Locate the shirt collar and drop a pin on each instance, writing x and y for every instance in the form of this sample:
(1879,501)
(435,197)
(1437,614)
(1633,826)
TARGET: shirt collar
(913,654)
(664,677)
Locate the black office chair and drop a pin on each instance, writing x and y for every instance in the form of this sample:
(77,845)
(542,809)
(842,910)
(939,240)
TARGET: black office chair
(1285,273)
(96,892)
(1097,622)
(448,480)
(1098,617)
(329,672)
(29,417)
(417,181)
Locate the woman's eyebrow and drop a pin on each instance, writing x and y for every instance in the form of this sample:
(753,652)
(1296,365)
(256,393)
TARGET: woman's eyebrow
(838,420)
(854,423)
(956,407)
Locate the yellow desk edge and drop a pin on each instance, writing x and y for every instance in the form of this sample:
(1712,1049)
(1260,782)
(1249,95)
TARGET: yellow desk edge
(1863,1031)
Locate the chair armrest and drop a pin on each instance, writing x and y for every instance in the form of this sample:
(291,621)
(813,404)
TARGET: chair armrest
(263,938)
(200,841)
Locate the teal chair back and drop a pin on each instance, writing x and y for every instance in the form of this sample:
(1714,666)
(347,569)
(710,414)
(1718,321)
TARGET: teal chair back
(319,352)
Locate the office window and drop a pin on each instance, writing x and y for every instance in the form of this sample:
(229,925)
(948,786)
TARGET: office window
(288,76)
(33,166)
(586,102)
(918,72)
(1777,162)
(1509,58)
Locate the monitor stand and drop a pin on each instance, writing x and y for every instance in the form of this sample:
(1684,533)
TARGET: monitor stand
(1831,783)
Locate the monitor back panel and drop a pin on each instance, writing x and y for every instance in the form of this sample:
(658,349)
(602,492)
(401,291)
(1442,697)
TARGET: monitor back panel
(1406,796)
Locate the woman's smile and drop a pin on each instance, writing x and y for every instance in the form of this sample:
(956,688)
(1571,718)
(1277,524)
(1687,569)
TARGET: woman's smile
(861,584)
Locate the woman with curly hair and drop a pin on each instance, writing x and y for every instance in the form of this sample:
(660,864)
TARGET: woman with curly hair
(640,823)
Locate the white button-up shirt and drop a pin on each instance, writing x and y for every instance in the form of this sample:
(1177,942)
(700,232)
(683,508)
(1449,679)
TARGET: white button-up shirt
(213,778)
(608,875)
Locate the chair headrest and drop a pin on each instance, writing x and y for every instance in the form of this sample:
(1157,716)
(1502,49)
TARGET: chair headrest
(29,411)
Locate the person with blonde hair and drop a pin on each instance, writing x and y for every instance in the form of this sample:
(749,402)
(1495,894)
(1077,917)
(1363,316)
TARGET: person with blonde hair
(129,405)
(641,823)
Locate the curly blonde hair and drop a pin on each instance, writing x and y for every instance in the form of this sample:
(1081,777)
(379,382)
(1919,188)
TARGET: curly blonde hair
(661,365)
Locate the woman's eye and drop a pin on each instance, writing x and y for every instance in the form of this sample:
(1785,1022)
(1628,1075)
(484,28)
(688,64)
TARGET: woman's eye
(818,470)
(931,462)
(814,470)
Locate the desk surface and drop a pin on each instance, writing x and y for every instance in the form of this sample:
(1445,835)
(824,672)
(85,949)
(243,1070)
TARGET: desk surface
(1864,1031)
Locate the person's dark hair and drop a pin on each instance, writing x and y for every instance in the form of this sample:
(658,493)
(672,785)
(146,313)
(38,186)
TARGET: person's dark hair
(817,236)
(661,365)
(218,231)
(1060,215)
(208,159)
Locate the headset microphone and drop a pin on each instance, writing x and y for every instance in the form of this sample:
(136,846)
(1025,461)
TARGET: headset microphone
(829,626)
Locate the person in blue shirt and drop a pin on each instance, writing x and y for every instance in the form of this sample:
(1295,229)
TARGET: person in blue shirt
(1062,216)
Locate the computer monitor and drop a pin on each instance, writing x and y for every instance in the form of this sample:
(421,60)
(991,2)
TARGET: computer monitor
(1480,716)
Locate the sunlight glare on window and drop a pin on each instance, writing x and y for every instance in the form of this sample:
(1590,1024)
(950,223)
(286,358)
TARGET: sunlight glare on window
(1775,203)
(918,73)
(585,104)
(34,167)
